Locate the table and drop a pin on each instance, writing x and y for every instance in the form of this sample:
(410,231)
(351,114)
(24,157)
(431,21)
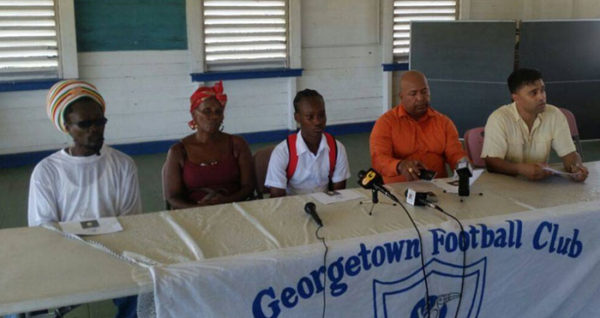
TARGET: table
(73,272)
(41,269)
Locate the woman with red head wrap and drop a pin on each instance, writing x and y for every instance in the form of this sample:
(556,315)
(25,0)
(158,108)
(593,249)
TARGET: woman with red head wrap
(209,166)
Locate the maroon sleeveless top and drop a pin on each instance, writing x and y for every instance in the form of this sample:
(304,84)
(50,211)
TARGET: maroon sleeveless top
(222,176)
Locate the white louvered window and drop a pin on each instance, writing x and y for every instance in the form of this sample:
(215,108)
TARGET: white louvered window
(407,11)
(28,40)
(245,34)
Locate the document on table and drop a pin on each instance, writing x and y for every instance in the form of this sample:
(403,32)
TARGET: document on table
(450,185)
(92,227)
(336,196)
(563,174)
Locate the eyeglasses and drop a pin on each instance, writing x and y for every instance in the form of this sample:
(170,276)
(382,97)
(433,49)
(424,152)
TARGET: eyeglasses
(85,124)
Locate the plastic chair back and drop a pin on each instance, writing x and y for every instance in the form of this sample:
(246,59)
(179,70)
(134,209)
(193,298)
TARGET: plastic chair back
(573,128)
(164,187)
(261,164)
(474,145)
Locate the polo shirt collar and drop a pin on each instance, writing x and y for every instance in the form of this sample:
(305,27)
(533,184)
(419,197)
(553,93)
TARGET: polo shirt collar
(517,116)
(402,113)
(301,146)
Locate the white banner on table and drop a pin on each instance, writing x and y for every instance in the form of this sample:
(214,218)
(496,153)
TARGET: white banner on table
(542,263)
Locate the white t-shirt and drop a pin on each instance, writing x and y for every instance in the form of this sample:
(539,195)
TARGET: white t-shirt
(68,188)
(312,171)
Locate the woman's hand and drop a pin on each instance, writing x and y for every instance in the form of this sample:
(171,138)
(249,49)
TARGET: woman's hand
(213,197)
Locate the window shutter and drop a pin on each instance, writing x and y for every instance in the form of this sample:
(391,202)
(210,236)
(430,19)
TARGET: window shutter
(245,34)
(406,11)
(28,40)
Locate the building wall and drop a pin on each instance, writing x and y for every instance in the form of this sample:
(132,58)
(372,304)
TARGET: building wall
(341,57)
(147,90)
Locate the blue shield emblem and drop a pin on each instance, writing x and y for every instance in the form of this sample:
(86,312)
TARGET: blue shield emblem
(405,297)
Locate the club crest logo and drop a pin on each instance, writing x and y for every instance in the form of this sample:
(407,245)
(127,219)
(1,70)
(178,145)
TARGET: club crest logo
(444,280)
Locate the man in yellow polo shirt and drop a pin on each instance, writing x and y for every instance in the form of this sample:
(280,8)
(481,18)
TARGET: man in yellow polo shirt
(518,136)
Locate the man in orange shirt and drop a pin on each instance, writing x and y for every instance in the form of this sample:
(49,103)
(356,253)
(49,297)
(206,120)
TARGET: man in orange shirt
(412,136)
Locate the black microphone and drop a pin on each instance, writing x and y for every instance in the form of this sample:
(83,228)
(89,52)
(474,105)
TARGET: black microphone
(311,210)
(416,198)
(371,179)
(464,171)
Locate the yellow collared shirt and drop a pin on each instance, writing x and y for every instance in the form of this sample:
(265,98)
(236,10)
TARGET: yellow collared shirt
(508,137)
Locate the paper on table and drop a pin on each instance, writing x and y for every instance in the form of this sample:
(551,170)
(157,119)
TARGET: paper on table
(450,185)
(476,174)
(92,227)
(559,173)
(339,196)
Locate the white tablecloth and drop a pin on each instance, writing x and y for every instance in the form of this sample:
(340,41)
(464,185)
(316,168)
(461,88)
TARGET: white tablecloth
(274,228)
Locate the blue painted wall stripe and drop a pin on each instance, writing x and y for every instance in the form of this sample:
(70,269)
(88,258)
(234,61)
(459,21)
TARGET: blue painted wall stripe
(27,85)
(352,128)
(23,159)
(162,146)
(395,67)
(236,75)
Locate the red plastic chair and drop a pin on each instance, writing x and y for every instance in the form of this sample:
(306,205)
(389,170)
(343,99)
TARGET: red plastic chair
(573,128)
(474,144)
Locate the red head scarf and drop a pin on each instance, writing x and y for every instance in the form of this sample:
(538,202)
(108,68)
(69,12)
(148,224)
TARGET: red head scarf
(204,92)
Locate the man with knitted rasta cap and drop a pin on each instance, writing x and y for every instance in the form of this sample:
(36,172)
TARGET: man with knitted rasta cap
(88,179)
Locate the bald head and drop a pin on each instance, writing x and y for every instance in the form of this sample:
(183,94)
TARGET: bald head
(414,93)
(409,78)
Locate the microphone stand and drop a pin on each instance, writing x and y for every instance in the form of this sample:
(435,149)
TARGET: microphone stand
(374,200)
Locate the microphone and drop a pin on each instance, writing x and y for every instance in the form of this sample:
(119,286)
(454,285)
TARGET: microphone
(464,171)
(311,210)
(416,198)
(371,179)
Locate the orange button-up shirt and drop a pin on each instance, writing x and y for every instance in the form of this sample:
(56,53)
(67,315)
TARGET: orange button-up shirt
(432,140)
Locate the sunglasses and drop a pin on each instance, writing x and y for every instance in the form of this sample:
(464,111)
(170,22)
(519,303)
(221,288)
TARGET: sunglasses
(85,124)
